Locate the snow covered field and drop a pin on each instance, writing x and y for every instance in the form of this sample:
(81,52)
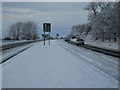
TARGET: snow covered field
(101,44)
(106,45)
(56,66)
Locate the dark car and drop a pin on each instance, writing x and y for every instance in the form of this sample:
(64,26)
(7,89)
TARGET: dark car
(66,39)
(79,42)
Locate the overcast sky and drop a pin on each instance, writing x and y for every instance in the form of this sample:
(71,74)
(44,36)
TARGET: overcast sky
(62,15)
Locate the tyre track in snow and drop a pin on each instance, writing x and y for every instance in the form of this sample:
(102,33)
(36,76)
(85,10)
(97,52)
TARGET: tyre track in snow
(105,63)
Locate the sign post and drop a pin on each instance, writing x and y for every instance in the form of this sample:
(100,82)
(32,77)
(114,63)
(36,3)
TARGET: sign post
(46,28)
(44,38)
(49,38)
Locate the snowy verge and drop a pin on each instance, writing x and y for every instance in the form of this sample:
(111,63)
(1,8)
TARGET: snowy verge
(16,42)
(105,45)
(74,40)
(13,52)
(105,63)
(0,76)
(113,46)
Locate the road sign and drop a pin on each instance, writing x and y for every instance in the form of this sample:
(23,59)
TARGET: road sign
(47,27)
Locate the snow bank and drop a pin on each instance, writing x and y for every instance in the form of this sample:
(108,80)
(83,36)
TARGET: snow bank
(74,40)
(0,76)
(13,42)
(105,45)
(8,53)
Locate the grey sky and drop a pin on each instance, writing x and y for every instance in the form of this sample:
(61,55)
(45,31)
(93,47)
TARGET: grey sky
(0,20)
(62,15)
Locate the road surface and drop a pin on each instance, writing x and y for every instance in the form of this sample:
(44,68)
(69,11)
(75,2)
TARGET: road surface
(53,66)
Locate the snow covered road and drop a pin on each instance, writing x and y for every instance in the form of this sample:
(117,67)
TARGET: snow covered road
(52,67)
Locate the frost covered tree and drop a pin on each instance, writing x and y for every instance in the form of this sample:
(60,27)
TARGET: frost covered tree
(104,20)
(93,7)
(15,30)
(80,30)
(23,30)
(30,30)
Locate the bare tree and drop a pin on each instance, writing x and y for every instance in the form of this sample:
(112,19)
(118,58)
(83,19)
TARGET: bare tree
(92,6)
(23,30)
(12,31)
(18,30)
(30,30)
(80,30)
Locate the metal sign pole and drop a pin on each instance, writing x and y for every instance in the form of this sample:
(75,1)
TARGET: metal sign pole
(47,28)
(49,38)
(44,37)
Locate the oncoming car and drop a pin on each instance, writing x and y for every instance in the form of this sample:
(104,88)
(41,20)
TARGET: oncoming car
(79,42)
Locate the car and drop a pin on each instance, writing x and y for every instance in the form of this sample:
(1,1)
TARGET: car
(66,39)
(79,42)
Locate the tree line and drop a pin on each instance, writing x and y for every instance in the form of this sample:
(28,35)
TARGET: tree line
(103,22)
(23,31)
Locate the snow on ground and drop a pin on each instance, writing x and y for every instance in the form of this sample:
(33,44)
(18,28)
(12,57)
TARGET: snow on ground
(106,45)
(105,63)
(74,40)
(0,68)
(10,52)
(0,76)
(4,42)
(101,44)
(7,42)
(52,67)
